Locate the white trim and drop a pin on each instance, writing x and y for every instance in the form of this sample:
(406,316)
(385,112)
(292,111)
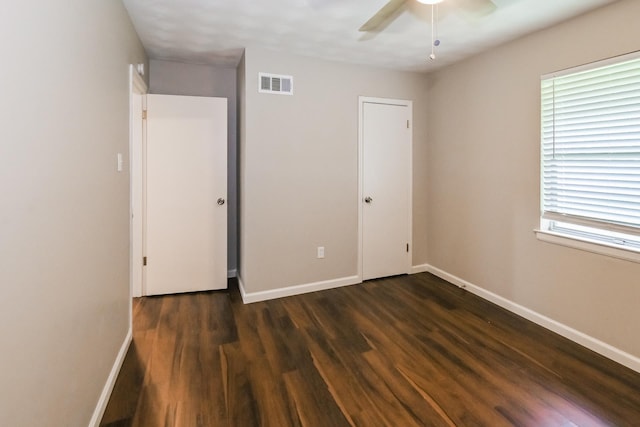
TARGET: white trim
(386,101)
(98,412)
(249,297)
(591,65)
(243,292)
(232,273)
(360,190)
(606,350)
(595,247)
(602,226)
(419,268)
(137,81)
(138,86)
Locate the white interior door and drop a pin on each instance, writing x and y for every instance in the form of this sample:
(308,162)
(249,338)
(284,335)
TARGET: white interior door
(386,187)
(186,191)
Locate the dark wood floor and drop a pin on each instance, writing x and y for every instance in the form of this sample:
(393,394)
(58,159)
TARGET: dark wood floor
(404,351)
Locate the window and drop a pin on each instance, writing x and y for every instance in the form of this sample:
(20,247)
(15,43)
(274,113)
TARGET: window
(591,153)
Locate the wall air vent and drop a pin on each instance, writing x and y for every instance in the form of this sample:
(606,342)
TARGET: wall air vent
(275,83)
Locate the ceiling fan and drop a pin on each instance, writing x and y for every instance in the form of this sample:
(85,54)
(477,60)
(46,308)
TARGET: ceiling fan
(476,7)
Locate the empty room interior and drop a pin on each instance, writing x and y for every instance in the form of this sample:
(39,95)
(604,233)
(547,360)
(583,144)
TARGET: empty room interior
(320,213)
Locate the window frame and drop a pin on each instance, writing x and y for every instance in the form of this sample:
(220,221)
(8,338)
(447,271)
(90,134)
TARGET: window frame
(606,238)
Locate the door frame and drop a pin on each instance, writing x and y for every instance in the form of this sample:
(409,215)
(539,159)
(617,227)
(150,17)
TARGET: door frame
(362,100)
(137,87)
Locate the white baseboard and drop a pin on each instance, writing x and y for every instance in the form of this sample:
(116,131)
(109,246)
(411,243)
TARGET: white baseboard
(613,353)
(241,287)
(232,273)
(111,381)
(249,297)
(419,268)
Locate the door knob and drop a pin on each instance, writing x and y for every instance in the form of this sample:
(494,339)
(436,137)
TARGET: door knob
(368,199)
(221,201)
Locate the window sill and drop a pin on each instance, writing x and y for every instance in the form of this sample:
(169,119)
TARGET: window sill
(587,245)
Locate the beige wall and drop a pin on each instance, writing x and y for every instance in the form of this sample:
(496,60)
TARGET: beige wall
(175,78)
(64,222)
(483,180)
(299,174)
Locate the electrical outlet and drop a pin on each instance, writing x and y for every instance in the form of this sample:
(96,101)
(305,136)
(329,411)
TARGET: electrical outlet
(320,251)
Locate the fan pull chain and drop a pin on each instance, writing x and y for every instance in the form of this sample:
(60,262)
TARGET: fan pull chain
(434,32)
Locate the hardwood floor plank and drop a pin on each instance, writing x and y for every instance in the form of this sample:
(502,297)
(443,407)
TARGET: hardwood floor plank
(239,394)
(402,351)
(422,409)
(274,405)
(314,404)
(278,336)
(344,385)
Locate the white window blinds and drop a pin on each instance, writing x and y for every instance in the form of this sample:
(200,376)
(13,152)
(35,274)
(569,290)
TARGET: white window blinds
(591,146)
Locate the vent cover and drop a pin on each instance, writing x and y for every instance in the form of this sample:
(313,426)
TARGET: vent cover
(275,83)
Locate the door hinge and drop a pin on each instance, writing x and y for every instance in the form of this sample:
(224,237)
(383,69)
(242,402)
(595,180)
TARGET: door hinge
(407,247)
(144,114)
(408,127)
(144,260)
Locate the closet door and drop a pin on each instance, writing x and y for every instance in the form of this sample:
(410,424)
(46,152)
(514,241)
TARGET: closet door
(386,187)
(186,191)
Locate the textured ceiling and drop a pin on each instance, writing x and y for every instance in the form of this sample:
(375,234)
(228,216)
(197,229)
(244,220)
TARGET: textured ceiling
(217,31)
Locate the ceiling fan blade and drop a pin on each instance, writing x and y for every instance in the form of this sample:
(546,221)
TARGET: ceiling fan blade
(383,14)
(477,7)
